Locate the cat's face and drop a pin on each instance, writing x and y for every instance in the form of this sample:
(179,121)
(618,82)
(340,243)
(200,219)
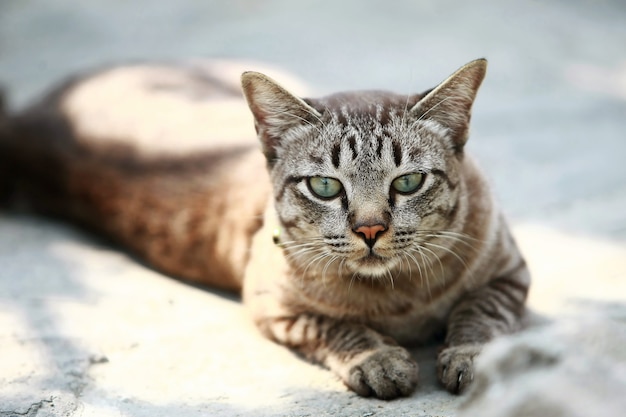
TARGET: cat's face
(362,181)
(365,183)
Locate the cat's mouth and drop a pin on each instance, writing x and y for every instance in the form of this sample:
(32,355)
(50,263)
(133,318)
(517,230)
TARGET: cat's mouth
(372,257)
(373,265)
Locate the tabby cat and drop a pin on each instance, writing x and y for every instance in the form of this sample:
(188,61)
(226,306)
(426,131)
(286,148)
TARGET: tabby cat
(362,224)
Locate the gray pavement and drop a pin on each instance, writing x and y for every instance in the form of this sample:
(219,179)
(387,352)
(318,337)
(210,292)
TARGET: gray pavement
(86,330)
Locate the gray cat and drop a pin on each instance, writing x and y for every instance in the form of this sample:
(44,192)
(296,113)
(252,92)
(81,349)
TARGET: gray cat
(362,224)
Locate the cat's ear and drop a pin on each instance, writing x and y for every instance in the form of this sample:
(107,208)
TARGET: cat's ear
(275,110)
(450,103)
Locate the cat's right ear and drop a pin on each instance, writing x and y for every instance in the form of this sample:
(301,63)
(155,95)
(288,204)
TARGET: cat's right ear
(276,111)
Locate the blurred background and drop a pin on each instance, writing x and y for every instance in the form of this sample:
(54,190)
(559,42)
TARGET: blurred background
(549,123)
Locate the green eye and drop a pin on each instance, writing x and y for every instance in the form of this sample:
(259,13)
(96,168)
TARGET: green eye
(407,184)
(325,187)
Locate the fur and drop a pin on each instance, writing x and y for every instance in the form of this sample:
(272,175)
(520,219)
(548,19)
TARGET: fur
(344,278)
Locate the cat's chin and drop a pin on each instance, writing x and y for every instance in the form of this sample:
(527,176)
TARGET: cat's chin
(373,266)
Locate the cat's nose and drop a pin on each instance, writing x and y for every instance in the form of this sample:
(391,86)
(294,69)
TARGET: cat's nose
(370,233)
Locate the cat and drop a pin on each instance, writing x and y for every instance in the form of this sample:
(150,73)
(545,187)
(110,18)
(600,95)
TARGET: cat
(359,227)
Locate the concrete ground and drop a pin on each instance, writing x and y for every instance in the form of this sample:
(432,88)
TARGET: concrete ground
(85,330)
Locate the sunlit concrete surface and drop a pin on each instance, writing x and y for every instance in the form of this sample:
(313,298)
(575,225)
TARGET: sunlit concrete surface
(86,330)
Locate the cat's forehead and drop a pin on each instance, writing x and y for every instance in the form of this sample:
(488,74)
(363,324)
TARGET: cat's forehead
(372,125)
(364,108)
(366,135)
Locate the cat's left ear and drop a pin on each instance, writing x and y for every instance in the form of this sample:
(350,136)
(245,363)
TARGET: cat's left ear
(450,103)
(275,110)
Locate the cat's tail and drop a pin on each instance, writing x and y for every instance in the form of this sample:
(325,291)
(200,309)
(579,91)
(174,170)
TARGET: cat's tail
(3,105)
(6,180)
(36,143)
(4,159)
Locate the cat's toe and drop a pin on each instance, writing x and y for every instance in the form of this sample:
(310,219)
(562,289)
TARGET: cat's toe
(455,367)
(386,374)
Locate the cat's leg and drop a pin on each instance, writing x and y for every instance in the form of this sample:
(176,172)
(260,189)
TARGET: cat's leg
(495,309)
(367,362)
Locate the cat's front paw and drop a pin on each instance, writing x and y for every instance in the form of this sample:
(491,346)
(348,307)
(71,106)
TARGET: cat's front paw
(387,373)
(455,366)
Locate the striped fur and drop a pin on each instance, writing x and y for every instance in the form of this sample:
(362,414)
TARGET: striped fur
(354,275)
(443,257)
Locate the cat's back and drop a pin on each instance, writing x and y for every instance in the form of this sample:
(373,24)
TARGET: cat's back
(155,109)
(161,157)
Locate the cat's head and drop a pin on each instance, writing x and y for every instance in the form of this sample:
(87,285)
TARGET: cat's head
(361,180)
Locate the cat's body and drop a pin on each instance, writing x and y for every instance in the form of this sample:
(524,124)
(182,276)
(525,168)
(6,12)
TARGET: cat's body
(379,228)
(138,153)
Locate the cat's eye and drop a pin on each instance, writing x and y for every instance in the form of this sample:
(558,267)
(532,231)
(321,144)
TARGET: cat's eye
(325,187)
(408,184)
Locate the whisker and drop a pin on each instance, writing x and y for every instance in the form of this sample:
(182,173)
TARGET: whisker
(354,275)
(403,259)
(436,257)
(390,275)
(310,239)
(426,264)
(454,239)
(419,268)
(450,251)
(332,259)
(304,251)
(448,233)
(315,261)
(297,245)
(340,268)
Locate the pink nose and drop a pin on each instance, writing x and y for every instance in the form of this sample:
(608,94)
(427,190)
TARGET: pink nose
(369,233)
